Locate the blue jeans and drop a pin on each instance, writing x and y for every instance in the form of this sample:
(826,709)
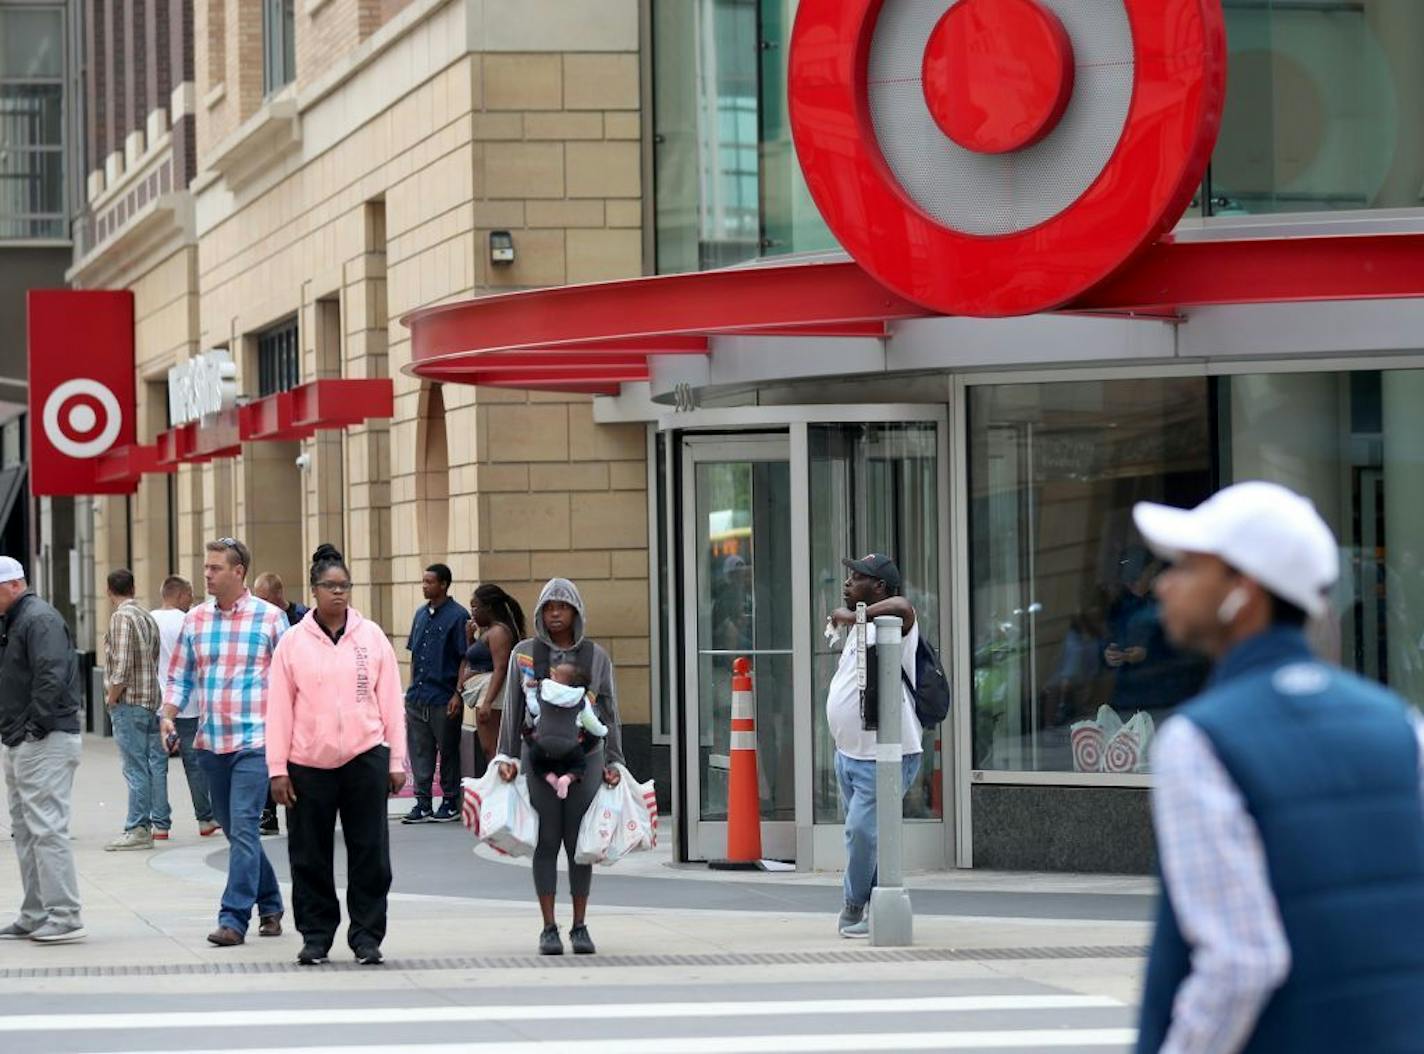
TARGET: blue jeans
(145,766)
(237,783)
(857,783)
(197,781)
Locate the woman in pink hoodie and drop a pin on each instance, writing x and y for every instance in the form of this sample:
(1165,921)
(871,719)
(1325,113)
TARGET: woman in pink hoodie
(336,746)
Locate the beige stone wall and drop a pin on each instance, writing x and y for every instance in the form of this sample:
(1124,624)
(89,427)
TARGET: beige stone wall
(390,212)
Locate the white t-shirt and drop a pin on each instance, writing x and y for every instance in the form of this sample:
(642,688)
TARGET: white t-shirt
(843,701)
(170,625)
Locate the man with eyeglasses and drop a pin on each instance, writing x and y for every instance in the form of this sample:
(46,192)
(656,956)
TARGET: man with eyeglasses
(222,660)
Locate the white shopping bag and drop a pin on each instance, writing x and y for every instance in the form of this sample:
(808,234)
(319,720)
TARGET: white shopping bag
(621,820)
(499,813)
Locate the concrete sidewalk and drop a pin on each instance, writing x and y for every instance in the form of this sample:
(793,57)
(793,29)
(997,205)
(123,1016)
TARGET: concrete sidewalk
(156,908)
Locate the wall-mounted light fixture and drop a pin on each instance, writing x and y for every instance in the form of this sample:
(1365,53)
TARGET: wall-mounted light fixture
(501,246)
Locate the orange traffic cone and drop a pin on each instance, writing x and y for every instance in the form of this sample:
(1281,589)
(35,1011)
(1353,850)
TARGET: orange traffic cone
(743,798)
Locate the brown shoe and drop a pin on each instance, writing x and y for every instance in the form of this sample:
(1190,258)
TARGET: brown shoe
(271,926)
(226,937)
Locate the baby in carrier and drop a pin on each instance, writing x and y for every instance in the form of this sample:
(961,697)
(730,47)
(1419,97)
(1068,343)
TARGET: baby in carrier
(560,725)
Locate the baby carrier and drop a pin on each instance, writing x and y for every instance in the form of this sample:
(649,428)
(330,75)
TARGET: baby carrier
(558,730)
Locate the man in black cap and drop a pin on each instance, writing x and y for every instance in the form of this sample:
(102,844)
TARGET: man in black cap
(874,580)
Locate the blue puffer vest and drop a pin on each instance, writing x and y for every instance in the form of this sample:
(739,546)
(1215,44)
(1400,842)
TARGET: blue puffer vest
(1329,768)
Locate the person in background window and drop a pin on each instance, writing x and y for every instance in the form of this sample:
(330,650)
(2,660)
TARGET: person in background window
(269,587)
(433,707)
(336,748)
(496,625)
(177,597)
(132,696)
(1150,673)
(1288,804)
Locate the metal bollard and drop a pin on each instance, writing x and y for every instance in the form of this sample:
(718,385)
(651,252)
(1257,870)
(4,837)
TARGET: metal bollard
(891,918)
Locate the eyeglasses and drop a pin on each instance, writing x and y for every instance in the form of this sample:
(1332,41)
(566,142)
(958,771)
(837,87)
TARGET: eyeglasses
(231,543)
(335,587)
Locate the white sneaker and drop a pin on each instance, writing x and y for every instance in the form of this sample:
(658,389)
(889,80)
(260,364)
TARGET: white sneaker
(853,922)
(135,838)
(58,933)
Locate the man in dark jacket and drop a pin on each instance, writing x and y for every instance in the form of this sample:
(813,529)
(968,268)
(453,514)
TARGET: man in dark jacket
(39,727)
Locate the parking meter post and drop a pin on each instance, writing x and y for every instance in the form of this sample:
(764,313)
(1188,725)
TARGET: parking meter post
(891,918)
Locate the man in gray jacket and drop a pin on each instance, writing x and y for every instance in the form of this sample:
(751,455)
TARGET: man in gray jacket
(39,728)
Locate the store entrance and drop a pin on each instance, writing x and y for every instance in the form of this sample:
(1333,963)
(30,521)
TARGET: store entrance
(738,588)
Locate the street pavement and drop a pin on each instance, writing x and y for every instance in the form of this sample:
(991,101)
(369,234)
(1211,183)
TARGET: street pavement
(687,962)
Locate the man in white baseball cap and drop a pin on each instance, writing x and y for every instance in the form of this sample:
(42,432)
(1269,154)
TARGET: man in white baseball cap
(1288,804)
(39,727)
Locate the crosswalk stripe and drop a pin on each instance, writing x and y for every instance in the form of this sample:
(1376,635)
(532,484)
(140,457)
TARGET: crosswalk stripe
(779,1044)
(427,1015)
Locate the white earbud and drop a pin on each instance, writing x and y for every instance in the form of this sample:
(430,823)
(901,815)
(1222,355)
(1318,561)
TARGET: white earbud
(1232,605)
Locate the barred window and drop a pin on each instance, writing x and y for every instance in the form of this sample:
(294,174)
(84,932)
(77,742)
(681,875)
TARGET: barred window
(32,123)
(279,366)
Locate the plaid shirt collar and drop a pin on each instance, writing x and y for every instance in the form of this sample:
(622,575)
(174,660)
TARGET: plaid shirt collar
(238,605)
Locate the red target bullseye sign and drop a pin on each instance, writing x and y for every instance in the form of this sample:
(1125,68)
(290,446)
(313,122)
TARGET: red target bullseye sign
(1002,157)
(81,361)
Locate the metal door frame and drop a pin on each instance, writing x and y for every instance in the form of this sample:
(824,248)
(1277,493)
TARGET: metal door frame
(707,839)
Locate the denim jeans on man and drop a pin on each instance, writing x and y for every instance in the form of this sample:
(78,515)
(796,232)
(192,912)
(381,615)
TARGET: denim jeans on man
(39,774)
(857,784)
(238,785)
(145,766)
(197,779)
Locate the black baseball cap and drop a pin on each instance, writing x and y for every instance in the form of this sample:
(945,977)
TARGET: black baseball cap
(878,565)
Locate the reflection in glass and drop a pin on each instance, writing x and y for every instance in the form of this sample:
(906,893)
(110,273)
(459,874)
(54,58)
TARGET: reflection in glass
(1324,107)
(705,118)
(743,551)
(874,488)
(1071,669)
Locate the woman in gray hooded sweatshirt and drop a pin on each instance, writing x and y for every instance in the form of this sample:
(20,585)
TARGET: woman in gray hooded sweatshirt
(559,638)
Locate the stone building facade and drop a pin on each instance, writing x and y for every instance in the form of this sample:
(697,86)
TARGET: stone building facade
(349,161)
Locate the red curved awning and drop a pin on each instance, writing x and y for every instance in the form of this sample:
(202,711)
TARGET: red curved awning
(595,337)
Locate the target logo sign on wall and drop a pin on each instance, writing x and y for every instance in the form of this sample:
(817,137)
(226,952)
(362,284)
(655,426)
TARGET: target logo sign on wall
(81,361)
(1002,157)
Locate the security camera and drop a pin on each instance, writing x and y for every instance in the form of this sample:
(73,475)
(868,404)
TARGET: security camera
(303,461)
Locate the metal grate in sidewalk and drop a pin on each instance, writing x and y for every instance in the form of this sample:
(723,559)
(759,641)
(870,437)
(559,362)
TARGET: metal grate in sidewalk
(534,962)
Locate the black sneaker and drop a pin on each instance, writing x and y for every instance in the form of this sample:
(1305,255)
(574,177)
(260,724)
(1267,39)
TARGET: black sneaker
(418,814)
(369,955)
(448,811)
(268,822)
(580,941)
(311,955)
(549,941)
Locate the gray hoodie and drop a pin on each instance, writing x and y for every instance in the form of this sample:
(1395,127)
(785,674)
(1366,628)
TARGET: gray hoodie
(599,665)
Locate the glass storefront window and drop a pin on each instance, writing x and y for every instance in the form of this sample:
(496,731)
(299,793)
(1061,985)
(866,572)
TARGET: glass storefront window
(1065,634)
(874,488)
(1324,107)
(1067,652)
(728,185)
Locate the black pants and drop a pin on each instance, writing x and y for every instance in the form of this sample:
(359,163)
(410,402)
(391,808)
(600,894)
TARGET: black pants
(559,820)
(356,792)
(430,730)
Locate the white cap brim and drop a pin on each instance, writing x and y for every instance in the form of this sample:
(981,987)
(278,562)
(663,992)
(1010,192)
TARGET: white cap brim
(1171,532)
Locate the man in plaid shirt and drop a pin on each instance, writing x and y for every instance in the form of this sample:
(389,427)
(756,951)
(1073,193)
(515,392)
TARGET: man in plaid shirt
(221,660)
(133,696)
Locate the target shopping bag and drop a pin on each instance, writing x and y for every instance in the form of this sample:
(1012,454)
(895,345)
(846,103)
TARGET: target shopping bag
(499,813)
(621,820)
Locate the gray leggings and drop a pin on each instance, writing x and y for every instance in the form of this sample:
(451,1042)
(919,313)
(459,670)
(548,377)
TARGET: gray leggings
(559,825)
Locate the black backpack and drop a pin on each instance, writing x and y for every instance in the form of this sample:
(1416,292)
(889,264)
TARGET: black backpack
(931,688)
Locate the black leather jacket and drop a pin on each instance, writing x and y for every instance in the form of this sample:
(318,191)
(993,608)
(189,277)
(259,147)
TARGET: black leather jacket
(39,672)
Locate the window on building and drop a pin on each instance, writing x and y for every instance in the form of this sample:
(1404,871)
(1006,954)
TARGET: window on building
(279,44)
(279,362)
(32,123)
(727,182)
(1071,669)
(1324,107)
